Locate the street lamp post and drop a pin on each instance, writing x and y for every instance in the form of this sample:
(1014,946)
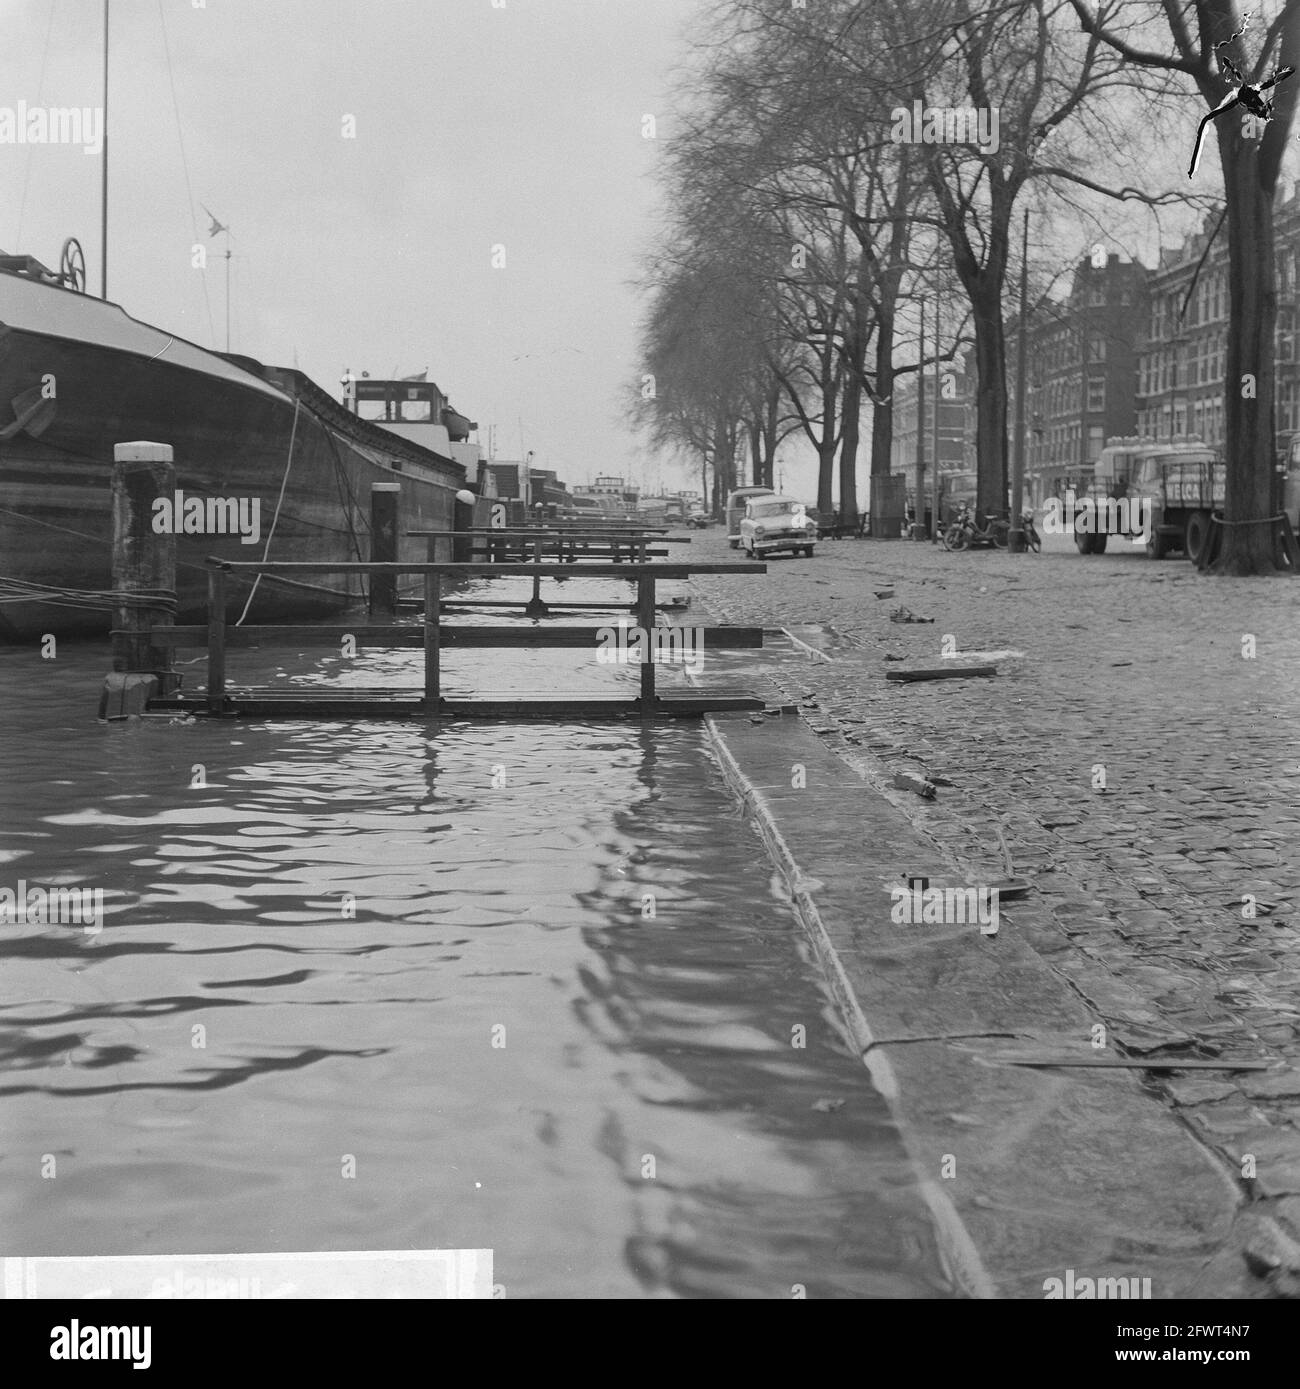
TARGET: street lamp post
(934,436)
(920,423)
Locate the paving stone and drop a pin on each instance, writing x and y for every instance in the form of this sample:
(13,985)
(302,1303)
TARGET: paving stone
(1266,1144)
(1190,1092)
(1286,1211)
(1285,1085)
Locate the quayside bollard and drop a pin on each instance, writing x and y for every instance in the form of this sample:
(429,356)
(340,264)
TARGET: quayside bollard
(144,567)
(384,497)
(462,519)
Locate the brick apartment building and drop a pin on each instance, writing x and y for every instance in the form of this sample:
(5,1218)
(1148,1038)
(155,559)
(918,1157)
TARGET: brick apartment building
(1081,373)
(1181,366)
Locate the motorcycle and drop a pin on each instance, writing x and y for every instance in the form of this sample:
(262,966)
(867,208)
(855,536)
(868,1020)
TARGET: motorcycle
(965,533)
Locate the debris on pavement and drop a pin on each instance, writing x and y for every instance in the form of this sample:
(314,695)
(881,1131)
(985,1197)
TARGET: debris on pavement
(1133,1063)
(909,781)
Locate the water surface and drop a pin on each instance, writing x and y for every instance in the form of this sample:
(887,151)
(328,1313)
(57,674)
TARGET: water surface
(535,986)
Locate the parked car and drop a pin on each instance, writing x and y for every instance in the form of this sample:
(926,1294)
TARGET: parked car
(697,520)
(736,502)
(829,524)
(773,523)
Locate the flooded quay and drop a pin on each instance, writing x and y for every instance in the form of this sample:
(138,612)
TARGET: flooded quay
(531,988)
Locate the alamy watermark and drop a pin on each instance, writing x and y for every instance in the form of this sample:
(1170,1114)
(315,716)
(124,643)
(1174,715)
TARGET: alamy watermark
(182,515)
(184,1284)
(627,645)
(73,1341)
(53,125)
(1083,1288)
(919,904)
(946,125)
(52,906)
(1071,515)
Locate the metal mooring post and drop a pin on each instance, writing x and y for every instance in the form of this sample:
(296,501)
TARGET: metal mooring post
(216,639)
(432,641)
(144,578)
(384,498)
(645,595)
(535,607)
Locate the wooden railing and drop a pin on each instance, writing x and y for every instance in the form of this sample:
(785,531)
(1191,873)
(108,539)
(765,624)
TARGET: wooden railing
(433,636)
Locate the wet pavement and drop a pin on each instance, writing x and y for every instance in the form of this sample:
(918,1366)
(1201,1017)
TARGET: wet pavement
(1138,751)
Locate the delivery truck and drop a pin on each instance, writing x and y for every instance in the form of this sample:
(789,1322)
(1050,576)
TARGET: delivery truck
(1168,490)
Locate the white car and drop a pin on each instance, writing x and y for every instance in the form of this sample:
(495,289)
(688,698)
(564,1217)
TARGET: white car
(777,523)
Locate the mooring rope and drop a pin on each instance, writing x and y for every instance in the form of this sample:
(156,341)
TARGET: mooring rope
(50,525)
(24,591)
(284,482)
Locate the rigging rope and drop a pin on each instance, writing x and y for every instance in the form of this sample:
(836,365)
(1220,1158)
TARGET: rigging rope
(1258,521)
(180,139)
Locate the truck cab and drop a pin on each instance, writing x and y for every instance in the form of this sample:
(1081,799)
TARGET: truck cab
(1176,485)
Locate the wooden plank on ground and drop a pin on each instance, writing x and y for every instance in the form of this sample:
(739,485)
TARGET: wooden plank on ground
(1132,1063)
(944,672)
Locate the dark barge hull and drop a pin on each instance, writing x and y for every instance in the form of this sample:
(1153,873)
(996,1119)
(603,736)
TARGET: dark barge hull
(230,422)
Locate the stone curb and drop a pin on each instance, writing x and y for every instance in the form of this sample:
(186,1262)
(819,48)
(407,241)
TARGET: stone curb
(1054,1170)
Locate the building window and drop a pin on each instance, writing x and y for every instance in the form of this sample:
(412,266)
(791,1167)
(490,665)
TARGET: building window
(1096,349)
(1096,394)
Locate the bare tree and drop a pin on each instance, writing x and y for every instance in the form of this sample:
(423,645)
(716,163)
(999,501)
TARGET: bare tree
(1251,164)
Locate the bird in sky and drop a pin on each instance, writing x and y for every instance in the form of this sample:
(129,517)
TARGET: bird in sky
(216,226)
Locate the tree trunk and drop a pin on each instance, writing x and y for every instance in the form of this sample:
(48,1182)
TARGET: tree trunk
(754,429)
(724,455)
(991,395)
(850,429)
(727,447)
(1249,376)
(769,435)
(882,409)
(826,475)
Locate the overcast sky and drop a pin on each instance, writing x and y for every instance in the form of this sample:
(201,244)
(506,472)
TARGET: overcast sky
(476,126)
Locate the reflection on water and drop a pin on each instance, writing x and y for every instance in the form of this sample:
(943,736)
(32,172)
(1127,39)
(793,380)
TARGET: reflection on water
(375,986)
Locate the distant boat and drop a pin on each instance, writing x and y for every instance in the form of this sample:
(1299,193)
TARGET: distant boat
(613,495)
(79,375)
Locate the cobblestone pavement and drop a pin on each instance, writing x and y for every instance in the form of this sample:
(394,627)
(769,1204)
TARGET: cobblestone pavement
(1113,662)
